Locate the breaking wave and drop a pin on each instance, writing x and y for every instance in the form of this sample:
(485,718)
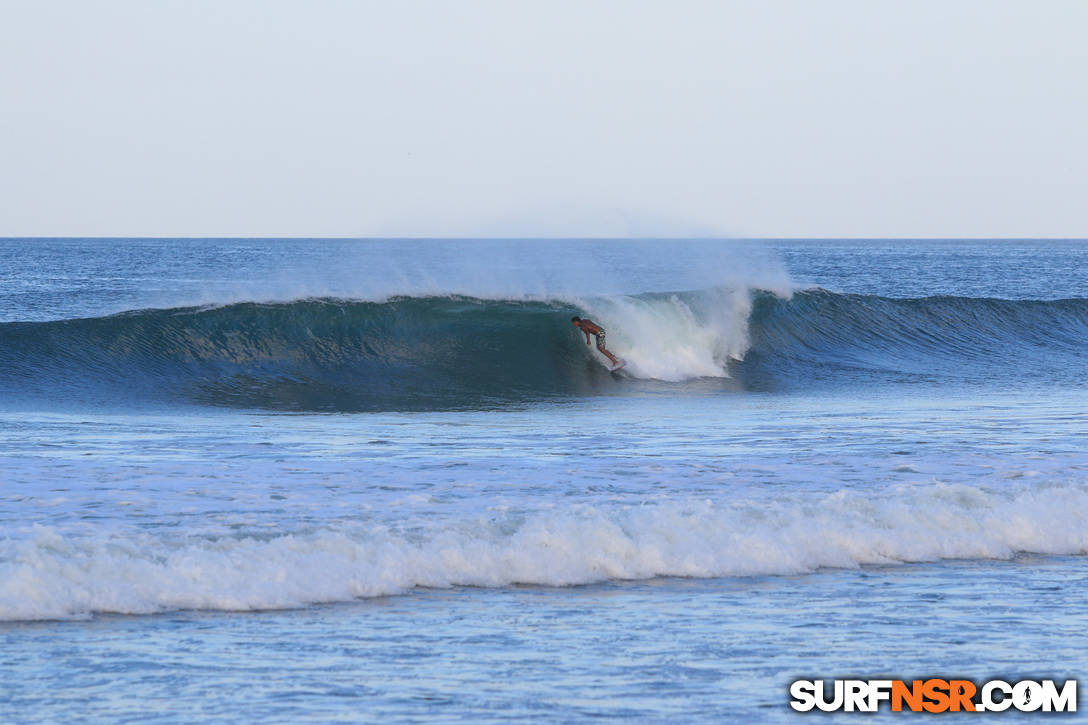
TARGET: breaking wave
(422,353)
(48,574)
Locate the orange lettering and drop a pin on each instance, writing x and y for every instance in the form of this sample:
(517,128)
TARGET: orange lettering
(936,691)
(912,695)
(961,692)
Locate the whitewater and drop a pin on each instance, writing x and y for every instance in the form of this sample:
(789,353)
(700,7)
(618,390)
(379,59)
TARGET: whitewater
(394,469)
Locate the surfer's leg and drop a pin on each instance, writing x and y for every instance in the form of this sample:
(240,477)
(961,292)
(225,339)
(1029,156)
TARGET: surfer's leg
(604,351)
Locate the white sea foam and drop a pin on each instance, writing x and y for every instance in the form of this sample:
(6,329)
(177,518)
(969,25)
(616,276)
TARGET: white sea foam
(51,574)
(677,338)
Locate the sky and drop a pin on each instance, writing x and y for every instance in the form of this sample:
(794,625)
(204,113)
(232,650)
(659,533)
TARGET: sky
(753,118)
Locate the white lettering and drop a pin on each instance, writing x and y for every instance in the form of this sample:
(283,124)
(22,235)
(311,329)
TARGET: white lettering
(880,690)
(1027,696)
(803,693)
(1064,701)
(988,702)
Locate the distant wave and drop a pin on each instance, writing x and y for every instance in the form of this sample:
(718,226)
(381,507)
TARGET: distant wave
(50,574)
(413,353)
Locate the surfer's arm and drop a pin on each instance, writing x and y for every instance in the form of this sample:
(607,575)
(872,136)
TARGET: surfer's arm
(587,336)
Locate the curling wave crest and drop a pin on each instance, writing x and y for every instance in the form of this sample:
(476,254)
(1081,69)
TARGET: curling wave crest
(430,353)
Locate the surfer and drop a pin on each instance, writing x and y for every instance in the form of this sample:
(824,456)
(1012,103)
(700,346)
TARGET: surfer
(589,327)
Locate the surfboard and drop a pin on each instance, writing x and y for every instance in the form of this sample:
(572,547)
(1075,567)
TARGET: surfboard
(619,366)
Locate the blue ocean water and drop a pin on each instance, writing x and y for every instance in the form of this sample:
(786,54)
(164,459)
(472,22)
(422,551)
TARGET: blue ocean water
(372,479)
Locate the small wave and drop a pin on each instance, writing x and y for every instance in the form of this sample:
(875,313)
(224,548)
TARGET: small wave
(52,575)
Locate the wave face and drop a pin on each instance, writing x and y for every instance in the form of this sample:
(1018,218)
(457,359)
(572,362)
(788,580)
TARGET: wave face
(460,352)
(51,575)
(405,353)
(819,335)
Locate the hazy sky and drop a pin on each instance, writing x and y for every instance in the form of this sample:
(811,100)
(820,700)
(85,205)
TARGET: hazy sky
(754,118)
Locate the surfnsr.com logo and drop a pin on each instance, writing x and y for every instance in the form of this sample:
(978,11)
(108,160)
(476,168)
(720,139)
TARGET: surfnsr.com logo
(934,695)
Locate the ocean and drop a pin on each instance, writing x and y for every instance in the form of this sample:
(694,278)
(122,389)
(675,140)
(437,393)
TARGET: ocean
(342,480)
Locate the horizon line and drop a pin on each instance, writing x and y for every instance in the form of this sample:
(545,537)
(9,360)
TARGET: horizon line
(541,238)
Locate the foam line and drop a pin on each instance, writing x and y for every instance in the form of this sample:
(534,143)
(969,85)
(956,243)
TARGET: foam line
(53,574)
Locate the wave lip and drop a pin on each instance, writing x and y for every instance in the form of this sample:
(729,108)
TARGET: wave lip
(431,353)
(50,575)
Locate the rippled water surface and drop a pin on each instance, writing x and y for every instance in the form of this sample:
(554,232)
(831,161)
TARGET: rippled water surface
(339,480)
